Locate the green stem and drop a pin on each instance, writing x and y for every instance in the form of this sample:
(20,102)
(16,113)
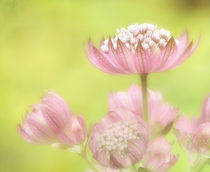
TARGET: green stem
(134,168)
(144,96)
(198,165)
(203,164)
(87,159)
(85,156)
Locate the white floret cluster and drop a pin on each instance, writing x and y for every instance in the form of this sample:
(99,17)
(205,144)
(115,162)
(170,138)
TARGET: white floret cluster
(117,136)
(148,34)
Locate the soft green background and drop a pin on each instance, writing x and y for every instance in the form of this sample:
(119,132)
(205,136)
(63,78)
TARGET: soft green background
(42,48)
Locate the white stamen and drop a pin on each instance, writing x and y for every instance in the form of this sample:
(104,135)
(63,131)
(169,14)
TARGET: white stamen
(149,36)
(117,136)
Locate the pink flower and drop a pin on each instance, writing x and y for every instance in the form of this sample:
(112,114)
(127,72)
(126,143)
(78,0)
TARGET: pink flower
(119,139)
(194,134)
(140,49)
(161,115)
(158,156)
(52,122)
(205,114)
(201,141)
(185,130)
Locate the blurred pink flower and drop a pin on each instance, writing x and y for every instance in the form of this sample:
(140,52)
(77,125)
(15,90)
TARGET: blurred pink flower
(201,141)
(205,114)
(119,139)
(194,134)
(140,49)
(161,115)
(158,156)
(185,130)
(52,122)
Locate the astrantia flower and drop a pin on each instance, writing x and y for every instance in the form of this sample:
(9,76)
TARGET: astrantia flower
(140,49)
(119,139)
(185,130)
(158,156)
(194,134)
(202,136)
(205,114)
(160,115)
(201,141)
(52,122)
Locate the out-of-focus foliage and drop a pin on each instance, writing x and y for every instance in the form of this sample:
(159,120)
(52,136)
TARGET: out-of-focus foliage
(42,48)
(191,3)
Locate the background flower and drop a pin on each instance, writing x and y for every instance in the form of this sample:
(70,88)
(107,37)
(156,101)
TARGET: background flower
(161,115)
(119,139)
(194,134)
(158,156)
(205,114)
(201,140)
(185,130)
(51,121)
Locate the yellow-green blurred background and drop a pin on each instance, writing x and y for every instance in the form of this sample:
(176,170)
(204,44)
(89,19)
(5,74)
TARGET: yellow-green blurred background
(42,48)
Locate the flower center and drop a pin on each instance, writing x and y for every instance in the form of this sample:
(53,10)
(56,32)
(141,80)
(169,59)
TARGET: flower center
(148,34)
(117,136)
(204,141)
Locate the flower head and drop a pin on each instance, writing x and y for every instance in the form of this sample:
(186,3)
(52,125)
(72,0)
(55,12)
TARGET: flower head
(141,48)
(185,130)
(158,156)
(205,114)
(194,134)
(161,115)
(52,122)
(201,141)
(119,139)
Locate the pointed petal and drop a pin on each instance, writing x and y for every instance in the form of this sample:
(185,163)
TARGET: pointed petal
(205,114)
(142,60)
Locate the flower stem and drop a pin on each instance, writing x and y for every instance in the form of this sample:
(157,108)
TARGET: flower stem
(87,159)
(85,156)
(198,165)
(144,96)
(202,165)
(134,168)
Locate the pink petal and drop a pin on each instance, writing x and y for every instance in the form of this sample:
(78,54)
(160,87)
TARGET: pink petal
(205,114)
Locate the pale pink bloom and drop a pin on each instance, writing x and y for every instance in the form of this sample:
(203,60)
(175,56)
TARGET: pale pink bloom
(131,100)
(119,139)
(161,115)
(201,141)
(75,131)
(52,122)
(205,114)
(185,130)
(140,49)
(158,156)
(194,134)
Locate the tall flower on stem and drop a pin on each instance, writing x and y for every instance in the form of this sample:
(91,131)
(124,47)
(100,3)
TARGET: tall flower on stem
(140,49)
